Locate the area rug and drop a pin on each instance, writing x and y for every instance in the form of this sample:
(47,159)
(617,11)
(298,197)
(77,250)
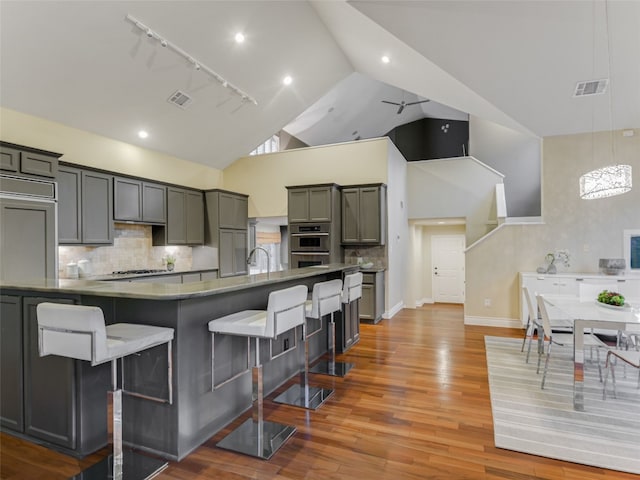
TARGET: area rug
(543,422)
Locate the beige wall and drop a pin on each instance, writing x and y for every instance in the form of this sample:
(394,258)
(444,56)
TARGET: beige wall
(88,149)
(589,229)
(264,177)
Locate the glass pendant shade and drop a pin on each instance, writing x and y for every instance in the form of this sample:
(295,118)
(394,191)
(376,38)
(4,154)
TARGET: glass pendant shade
(605,182)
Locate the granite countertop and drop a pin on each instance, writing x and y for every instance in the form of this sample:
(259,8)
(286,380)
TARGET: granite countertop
(167,291)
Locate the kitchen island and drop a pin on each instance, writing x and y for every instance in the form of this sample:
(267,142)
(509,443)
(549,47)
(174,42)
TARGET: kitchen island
(62,402)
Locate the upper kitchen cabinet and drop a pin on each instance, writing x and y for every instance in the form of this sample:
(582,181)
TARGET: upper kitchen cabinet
(26,161)
(85,207)
(312,203)
(364,214)
(226,229)
(185,219)
(139,201)
(97,208)
(233,209)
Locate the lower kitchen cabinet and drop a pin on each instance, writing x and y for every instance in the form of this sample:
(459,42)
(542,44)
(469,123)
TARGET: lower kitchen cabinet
(54,400)
(372,301)
(48,386)
(11,398)
(348,329)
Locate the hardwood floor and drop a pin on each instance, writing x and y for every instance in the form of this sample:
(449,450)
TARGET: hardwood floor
(415,407)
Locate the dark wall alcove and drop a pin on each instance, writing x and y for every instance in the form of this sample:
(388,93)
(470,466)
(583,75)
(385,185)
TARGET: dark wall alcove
(430,138)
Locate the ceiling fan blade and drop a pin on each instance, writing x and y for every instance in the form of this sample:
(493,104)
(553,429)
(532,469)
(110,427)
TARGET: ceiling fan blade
(400,109)
(420,101)
(390,103)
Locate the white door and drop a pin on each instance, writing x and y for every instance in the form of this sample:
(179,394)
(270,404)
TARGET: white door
(447,263)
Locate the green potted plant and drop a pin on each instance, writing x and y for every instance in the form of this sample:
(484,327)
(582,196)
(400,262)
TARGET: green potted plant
(171,262)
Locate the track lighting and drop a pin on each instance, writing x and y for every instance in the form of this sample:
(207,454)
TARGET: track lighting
(245,97)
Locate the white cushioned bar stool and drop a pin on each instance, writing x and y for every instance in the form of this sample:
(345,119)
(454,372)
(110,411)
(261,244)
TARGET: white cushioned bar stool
(285,310)
(325,299)
(79,332)
(351,292)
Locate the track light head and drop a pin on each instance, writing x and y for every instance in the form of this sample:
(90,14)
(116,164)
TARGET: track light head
(163,42)
(149,33)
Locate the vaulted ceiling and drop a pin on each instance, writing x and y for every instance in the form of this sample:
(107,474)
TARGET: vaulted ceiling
(514,63)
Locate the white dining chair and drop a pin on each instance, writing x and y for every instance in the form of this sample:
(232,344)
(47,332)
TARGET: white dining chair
(561,340)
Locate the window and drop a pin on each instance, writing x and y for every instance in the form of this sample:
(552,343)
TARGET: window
(271,145)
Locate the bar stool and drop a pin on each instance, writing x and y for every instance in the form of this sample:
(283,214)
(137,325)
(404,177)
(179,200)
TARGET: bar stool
(285,310)
(351,292)
(79,332)
(325,299)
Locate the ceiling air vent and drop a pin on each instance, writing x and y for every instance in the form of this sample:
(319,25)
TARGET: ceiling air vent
(180,99)
(591,87)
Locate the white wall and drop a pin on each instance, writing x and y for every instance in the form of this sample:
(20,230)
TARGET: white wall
(514,154)
(398,231)
(448,188)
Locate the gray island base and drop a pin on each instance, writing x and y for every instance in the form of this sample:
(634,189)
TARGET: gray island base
(61,403)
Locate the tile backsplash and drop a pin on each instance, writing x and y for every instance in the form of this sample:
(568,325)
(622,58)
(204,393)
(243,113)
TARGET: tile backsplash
(131,250)
(377,255)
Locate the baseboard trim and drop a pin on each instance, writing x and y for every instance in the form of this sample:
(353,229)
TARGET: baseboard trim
(395,309)
(492,321)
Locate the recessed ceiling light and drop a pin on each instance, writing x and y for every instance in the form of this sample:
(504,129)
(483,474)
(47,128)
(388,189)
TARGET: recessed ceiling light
(287,80)
(239,37)
(143,134)
(441,223)
(385,59)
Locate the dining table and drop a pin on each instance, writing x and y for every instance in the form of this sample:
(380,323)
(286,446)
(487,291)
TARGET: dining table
(591,314)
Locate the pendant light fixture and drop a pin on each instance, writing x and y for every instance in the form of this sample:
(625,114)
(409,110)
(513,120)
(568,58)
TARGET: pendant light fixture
(610,180)
(605,182)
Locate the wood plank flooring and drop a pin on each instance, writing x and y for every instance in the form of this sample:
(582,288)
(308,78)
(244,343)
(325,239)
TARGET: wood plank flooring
(415,407)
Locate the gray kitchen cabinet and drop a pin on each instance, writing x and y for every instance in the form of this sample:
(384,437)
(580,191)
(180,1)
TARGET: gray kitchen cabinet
(69,205)
(154,203)
(185,217)
(28,239)
(209,275)
(127,194)
(97,208)
(195,217)
(56,401)
(28,161)
(190,277)
(233,253)
(313,203)
(372,301)
(233,211)
(348,328)
(9,159)
(85,207)
(139,201)
(226,223)
(49,385)
(11,363)
(364,214)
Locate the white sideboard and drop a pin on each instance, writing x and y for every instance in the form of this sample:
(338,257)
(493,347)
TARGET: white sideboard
(569,284)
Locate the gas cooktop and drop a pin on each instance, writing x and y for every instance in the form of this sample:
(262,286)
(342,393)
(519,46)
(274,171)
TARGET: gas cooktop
(137,272)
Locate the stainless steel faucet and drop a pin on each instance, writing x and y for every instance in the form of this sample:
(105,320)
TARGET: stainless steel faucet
(268,259)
